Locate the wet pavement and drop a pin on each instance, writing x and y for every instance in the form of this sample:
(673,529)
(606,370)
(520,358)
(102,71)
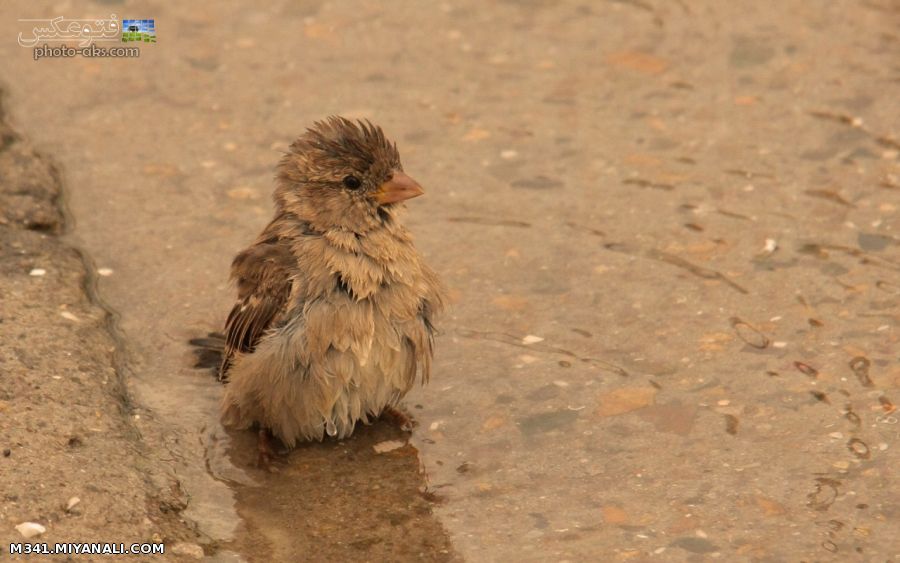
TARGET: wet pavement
(670,231)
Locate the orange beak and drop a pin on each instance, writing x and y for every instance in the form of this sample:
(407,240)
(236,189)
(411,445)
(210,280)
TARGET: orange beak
(399,188)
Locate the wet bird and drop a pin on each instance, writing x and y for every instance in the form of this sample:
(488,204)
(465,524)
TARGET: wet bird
(333,320)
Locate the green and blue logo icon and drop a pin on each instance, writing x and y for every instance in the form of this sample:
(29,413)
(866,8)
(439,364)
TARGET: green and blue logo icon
(139,30)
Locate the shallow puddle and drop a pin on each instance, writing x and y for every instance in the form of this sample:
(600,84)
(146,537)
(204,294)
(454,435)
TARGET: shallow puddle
(670,234)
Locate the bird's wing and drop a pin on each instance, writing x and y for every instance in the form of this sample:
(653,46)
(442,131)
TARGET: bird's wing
(263,276)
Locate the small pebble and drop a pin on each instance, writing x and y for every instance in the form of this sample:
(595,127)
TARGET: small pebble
(30,529)
(509,154)
(186,549)
(836,435)
(242,192)
(69,316)
(73,502)
(104,271)
(779,344)
(532,339)
(8,452)
(37,272)
(388,446)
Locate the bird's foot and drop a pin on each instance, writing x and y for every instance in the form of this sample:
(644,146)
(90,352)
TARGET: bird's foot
(266,452)
(403,421)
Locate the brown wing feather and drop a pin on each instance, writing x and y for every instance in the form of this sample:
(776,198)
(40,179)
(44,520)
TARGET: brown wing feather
(262,273)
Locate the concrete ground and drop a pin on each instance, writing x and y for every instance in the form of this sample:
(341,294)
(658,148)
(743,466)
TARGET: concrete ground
(71,459)
(670,230)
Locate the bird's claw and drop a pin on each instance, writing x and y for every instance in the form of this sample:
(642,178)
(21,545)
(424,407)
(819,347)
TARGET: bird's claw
(403,421)
(266,453)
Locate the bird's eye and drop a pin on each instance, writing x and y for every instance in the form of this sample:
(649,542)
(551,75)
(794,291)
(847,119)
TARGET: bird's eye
(352,182)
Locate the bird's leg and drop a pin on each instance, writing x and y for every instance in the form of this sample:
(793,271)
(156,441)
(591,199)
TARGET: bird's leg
(265,449)
(398,417)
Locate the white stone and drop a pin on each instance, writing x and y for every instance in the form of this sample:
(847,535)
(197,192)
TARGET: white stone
(30,529)
(388,446)
(186,549)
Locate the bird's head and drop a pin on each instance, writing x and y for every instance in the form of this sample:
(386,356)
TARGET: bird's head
(343,174)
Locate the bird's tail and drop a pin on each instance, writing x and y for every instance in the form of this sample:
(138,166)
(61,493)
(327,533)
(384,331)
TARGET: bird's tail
(209,351)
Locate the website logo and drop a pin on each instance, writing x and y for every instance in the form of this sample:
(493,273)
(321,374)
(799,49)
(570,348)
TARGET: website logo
(139,30)
(62,37)
(60,29)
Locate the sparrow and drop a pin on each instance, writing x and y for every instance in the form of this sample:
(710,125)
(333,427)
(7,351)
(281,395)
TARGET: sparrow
(333,323)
